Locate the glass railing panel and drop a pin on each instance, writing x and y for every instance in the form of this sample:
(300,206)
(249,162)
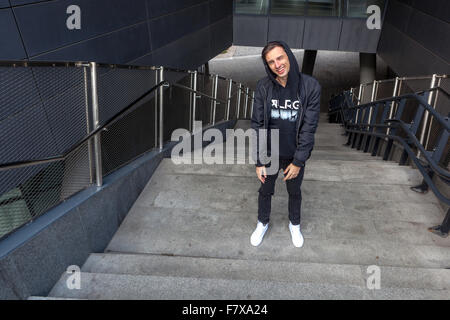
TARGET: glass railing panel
(251,6)
(289,7)
(331,8)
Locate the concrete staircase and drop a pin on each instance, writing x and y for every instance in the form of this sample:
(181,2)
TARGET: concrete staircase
(188,235)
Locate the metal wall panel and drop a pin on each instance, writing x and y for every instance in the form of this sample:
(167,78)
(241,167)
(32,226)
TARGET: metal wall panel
(432,33)
(300,32)
(436,8)
(417,45)
(356,37)
(220,9)
(113,31)
(287,29)
(250,30)
(174,26)
(322,33)
(12,48)
(398,14)
(43,26)
(406,56)
(117,47)
(158,8)
(4,4)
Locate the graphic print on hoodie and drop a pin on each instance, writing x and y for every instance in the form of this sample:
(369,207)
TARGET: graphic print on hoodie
(285,107)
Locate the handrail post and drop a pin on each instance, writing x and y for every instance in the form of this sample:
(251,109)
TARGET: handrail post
(253,103)
(246,102)
(191,81)
(216,81)
(238,100)
(372,99)
(156,106)
(194,102)
(394,94)
(88,126)
(161,109)
(426,115)
(230,87)
(96,122)
(434,107)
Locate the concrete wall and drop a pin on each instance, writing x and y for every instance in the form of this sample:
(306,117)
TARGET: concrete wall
(178,33)
(414,38)
(34,257)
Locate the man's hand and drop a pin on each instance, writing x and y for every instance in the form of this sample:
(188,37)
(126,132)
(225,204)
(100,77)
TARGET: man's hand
(291,172)
(261,173)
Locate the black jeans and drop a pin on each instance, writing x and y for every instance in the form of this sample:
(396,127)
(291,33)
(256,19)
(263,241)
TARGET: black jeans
(267,189)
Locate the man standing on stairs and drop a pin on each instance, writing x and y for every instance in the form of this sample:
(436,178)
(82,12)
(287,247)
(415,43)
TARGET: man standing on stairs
(289,101)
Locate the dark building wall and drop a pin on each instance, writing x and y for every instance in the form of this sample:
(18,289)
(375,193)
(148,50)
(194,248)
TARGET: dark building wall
(415,37)
(314,33)
(177,33)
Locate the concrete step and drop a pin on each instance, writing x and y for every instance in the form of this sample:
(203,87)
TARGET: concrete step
(225,234)
(319,170)
(218,187)
(314,226)
(51,298)
(113,286)
(238,269)
(219,149)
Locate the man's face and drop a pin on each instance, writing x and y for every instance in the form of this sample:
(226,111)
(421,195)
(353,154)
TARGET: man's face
(278,61)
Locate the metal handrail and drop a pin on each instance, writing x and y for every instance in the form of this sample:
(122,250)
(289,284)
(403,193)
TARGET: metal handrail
(20,164)
(22,63)
(113,119)
(364,128)
(196,91)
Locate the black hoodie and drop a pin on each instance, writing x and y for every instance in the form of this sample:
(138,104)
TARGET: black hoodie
(308,94)
(285,107)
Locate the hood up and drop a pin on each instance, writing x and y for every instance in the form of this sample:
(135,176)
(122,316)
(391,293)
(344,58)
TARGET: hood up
(294,75)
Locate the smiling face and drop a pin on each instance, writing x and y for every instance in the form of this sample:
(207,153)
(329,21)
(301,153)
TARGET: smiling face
(278,62)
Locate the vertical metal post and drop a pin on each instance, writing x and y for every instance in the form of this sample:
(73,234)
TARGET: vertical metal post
(431,120)
(96,122)
(238,100)
(216,81)
(246,102)
(372,98)
(425,116)
(194,102)
(230,86)
(161,111)
(88,126)
(156,107)
(191,94)
(253,103)
(394,94)
(360,94)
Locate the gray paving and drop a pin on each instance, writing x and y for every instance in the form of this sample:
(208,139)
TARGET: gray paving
(187,235)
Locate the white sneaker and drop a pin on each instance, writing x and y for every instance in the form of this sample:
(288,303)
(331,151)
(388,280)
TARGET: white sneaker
(297,237)
(258,234)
